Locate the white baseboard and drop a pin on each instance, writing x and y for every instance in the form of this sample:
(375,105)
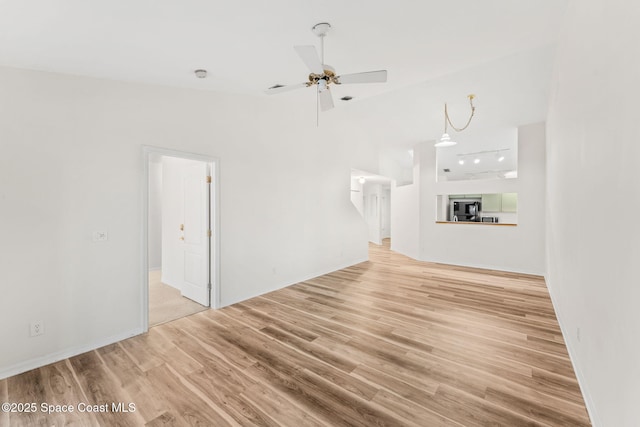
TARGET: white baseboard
(582,383)
(170,283)
(486,267)
(37,362)
(329,270)
(299,279)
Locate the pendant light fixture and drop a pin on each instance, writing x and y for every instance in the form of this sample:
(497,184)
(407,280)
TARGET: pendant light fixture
(445,139)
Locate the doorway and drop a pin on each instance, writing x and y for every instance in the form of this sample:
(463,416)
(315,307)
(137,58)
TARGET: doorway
(180,243)
(371,195)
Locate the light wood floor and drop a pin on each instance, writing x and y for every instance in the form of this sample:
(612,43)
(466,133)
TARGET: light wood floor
(166,303)
(387,342)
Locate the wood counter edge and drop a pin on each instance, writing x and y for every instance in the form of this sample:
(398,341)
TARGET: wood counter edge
(477,223)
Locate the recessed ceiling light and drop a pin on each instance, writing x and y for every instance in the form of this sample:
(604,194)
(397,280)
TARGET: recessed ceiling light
(362,180)
(501,158)
(201,74)
(461,162)
(476,160)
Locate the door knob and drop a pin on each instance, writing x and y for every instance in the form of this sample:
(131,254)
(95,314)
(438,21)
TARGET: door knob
(181,227)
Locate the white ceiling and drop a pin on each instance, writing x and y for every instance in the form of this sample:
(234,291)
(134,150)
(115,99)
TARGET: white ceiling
(247,46)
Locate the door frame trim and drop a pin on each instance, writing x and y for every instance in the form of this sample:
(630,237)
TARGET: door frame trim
(214,218)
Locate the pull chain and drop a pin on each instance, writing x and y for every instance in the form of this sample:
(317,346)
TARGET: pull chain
(448,120)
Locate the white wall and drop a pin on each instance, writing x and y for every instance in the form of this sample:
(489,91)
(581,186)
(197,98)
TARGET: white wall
(357,196)
(405,217)
(372,211)
(385,213)
(519,249)
(593,151)
(72,164)
(155,213)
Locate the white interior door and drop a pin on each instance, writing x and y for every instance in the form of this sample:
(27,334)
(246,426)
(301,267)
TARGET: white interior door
(195,233)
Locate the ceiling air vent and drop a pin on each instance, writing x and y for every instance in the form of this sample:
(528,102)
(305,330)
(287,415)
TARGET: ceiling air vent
(446,170)
(347,98)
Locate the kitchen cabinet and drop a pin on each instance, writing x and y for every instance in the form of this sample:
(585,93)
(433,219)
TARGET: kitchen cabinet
(492,202)
(510,202)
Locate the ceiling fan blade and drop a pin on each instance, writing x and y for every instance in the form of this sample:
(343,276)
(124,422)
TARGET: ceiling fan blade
(326,100)
(309,55)
(366,77)
(281,88)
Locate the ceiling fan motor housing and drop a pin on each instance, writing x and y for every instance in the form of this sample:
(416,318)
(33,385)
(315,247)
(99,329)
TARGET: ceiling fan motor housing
(329,75)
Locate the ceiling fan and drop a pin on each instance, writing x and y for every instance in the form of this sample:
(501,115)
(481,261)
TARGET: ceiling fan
(323,75)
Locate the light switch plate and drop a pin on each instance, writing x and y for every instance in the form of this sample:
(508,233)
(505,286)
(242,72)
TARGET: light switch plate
(100,236)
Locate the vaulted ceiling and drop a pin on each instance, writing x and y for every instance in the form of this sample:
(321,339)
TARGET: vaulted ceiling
(434,51)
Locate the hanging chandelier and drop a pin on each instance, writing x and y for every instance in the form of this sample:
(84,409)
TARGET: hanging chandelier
(445,139)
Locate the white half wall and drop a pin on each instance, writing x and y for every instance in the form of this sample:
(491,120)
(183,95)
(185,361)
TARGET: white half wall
(72,163)
(593,152)
(510,248)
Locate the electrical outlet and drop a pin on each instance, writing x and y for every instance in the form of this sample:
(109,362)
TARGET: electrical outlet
(37,328)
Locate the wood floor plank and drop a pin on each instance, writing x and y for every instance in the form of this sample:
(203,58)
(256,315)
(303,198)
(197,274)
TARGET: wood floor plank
(27,388)
(412,412)
(134,381)
(227,395)
(186,405)
(102,390)
(168,419)
(391,341)
(60,388)
(538,411)
(4,397)
(285,411)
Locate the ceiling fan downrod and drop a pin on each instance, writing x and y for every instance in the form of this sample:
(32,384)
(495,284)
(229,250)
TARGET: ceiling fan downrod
(321,30)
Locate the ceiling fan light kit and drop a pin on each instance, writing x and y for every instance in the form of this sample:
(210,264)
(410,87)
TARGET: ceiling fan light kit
(322,75)
(445,139)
